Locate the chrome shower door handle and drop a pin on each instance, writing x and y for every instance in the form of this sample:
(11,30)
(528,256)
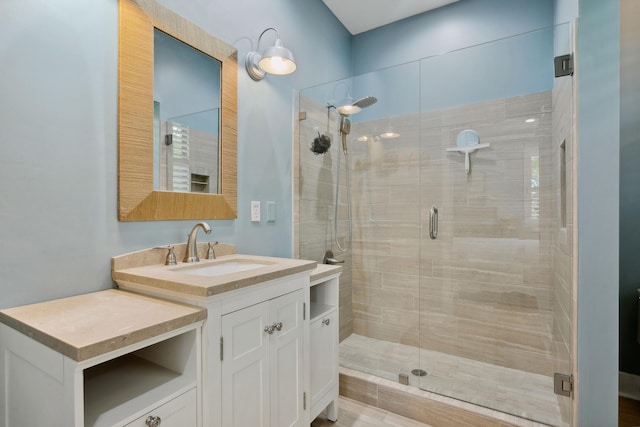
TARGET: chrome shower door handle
(433,223)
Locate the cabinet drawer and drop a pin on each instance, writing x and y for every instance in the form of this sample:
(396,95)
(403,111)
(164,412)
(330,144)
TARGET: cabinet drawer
(179,412)
(324,354)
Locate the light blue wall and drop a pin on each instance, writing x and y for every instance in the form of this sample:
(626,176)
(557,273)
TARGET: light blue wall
(598,110)
(452,27)
(467,52)
(565,11)
(58,112)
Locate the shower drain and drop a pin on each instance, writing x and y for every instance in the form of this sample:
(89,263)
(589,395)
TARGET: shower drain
(419,372)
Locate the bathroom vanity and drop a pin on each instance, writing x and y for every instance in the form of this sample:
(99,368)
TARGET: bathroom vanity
(269,345)
(110,358)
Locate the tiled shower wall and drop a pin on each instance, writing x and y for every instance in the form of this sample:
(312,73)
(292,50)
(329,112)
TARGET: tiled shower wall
(490,287)
(314,185)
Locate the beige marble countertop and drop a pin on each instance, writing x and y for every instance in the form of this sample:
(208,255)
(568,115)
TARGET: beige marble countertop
(85,326)
(324,270)
(172,277)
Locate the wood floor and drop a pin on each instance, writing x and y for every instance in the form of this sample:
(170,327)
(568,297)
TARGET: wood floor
(628,412)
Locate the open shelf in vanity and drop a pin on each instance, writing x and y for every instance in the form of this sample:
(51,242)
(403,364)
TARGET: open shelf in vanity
(140,381)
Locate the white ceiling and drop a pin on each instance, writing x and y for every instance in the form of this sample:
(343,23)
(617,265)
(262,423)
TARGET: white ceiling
(359,16)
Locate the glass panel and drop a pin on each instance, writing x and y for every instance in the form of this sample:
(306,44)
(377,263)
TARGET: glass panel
(489,328)
(375,184)
(483,311)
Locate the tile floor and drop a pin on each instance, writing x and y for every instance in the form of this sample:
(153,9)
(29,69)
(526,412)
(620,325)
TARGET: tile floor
(356,414)
(479,383)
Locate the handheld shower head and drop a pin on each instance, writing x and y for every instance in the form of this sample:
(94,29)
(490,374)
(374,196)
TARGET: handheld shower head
(345,129)
(345,125)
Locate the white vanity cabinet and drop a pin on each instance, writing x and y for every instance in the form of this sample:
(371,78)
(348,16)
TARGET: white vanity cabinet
(110,358)
(252,377)
(259,367)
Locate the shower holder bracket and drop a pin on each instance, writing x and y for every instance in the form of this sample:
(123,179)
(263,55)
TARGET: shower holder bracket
(466,150)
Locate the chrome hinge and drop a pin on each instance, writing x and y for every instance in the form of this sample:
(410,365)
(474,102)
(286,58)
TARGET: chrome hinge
(563,65)
(168,139)
(304,400)
(562,384)
(304,310)
(221,347)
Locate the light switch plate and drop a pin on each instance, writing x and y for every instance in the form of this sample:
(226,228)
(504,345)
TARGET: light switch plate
(255,211)
(271,211)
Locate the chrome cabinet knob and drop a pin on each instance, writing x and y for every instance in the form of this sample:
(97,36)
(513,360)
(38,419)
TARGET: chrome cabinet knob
(278,326)
(153,421)
(268,329)
(326,321)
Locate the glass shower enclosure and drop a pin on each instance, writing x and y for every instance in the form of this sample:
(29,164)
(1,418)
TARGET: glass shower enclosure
(454,218)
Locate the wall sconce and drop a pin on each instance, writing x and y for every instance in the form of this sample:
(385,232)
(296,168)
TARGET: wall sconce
(275,59)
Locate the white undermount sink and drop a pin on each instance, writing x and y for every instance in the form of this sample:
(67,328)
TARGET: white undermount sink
(219,269)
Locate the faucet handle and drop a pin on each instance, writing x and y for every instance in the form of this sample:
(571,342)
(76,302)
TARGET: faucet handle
(329,259)
(211,254)
(171,255)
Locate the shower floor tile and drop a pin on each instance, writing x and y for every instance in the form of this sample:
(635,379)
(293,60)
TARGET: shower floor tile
(523,394)
(355,414)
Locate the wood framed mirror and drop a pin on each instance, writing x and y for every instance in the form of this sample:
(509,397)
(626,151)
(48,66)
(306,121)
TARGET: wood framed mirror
(137,198)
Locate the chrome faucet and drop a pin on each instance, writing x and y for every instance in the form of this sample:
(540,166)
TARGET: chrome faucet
(329,259)
(191,254)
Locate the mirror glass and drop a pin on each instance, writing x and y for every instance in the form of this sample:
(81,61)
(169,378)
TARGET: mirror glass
(193,173)
(186,94)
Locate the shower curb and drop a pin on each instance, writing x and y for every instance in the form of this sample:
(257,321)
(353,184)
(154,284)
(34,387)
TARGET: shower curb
(430,408)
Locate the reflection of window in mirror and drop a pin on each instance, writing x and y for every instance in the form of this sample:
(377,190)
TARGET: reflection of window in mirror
(186,94)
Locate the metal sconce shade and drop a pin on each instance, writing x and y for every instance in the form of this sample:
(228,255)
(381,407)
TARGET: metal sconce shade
(275,59)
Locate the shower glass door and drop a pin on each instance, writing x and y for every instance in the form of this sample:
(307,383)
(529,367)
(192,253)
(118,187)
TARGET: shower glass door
(476,304)
(495,283)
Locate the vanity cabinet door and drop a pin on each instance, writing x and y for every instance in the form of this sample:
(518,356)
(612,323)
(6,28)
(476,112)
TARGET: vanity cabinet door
(262,364)
(179,412)
(324,353)
(286,362)
(245,369)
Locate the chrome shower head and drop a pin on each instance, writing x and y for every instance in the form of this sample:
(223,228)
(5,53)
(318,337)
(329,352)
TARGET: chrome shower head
(365,102)
(357,106)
